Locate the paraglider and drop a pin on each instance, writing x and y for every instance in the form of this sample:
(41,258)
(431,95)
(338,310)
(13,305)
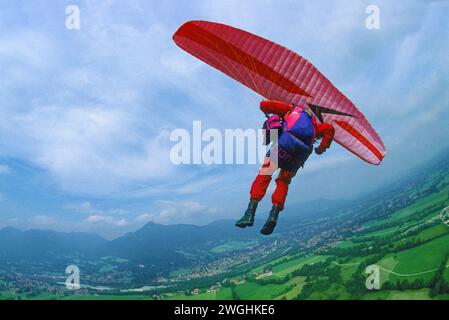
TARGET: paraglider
(304,105)
(299,130)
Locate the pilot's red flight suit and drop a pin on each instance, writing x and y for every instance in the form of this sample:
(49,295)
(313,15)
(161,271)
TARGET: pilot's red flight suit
(263,179)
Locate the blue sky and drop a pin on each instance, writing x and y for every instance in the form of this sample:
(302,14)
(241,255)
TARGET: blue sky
(85,115)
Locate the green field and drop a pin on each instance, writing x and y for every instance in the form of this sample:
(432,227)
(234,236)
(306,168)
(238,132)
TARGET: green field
(422,261)
(297,283)
(434,232)
(288,267)
(421,294)
(233,245)
(254,291)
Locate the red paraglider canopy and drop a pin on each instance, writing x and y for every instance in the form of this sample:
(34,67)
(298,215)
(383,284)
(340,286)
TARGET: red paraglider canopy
(280,74)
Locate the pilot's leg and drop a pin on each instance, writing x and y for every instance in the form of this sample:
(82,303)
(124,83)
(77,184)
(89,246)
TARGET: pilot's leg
(278,199)
(258,191)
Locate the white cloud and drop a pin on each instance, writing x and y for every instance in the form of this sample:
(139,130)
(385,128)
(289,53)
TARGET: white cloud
(92,127)
(88,208)
(175,212)
(83,207)
(145,217)
(99,220)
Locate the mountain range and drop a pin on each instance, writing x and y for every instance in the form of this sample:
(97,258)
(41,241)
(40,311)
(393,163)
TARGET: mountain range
(153,242)
(41,244)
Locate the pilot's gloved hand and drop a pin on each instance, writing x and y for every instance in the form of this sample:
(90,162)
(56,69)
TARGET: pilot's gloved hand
(319,150)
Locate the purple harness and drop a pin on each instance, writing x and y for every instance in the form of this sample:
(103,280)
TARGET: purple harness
(296,139)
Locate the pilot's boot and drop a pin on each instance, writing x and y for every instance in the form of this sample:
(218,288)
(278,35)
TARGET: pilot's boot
(272,220)
(248,218)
